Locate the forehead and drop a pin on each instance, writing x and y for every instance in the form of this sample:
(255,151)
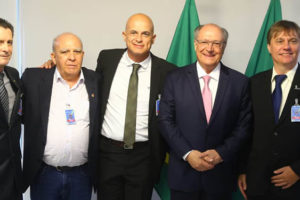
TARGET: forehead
(210,32)
(5,33)
(139,23)
(286,34)
(68,42)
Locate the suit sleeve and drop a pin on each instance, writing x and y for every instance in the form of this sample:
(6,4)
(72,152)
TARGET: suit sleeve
(167,120)
(241,131)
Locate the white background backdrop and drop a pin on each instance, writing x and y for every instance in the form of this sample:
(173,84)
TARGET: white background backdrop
(99,23)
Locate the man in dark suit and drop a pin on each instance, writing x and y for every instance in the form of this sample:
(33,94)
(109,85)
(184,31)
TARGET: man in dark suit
(10,120)
(130,161)
(205,115)
(61,125)
(273,167)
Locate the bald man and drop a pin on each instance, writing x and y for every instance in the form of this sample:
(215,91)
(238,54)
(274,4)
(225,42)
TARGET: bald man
(61,125)
(132,150)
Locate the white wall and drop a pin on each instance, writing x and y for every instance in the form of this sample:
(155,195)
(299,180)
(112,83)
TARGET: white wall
(99,23)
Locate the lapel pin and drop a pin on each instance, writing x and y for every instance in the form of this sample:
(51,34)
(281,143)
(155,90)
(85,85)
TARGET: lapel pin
(296,87)
(93,95)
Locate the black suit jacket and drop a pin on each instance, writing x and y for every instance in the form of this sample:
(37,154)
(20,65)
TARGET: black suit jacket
(10,153)
(274,145)
(37,95)
(107,64)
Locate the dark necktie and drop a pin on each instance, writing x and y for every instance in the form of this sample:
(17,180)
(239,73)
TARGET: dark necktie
(130,118)
(277,95)
(3,95)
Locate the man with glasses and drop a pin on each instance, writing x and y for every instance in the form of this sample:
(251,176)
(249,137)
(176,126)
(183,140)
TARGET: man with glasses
(205,116)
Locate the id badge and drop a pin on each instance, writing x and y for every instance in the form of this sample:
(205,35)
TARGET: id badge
(70,116)
(157,105)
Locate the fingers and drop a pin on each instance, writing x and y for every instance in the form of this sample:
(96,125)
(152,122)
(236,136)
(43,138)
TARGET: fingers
(242,185)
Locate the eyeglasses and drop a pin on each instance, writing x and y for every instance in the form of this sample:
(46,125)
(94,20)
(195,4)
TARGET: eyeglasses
(206,43)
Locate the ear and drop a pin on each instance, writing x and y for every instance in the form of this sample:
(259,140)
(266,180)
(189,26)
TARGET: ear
(269,48)
(153,38)
(124,36)
(53,58)
(195,45)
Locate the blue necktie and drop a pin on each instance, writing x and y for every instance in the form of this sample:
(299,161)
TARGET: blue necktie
(277,95)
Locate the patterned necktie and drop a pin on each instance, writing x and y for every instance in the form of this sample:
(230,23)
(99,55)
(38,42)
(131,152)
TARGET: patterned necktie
(277,95)
(207,98)
(3,95)
(130,118)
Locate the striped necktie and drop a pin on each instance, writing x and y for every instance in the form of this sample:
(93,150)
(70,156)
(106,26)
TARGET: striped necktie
(3,95)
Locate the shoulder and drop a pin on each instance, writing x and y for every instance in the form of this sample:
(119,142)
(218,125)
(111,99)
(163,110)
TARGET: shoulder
(260,76)
(12,71)
(111,52)
(90,73)
(162,63)
(234,74)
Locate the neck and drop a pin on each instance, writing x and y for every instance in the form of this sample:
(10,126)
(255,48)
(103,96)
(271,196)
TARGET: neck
(138,58)
(2,68)
(283,69)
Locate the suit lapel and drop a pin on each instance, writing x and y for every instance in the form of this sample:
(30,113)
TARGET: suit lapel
(110,66)
(90,85)
(45,91)
(222,87)
(154,86)
(293,94)
(14,81)
(193,81)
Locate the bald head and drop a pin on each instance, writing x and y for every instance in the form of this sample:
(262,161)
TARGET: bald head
(139,36)
(64,36)
(140,18)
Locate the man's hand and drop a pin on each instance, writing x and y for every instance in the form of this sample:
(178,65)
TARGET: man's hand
(47,65)
(284,177)
(195,159)
(242,184)
(212,156)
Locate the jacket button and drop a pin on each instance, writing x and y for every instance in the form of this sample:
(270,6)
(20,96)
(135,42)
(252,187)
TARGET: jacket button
(275,134)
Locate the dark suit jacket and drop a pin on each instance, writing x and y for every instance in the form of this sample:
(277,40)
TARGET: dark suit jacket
(183,124)
(274,145)
(37,92)
(108,61)
(10,153)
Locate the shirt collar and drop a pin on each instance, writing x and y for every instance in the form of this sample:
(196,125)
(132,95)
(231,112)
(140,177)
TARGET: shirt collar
(214,74)
(128,62)
(290,74)
(58,77)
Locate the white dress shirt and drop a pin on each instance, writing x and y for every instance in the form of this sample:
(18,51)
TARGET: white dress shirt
(285,85)
(67,145)
(213,84)
(114,117)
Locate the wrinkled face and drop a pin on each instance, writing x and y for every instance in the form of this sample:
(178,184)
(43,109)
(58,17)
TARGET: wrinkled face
(6,46)
(284,49)
(209,47)
(139,37)
(68,56)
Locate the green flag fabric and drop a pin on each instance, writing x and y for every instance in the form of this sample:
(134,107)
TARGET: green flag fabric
(181,53)
(182,50)
(260,59)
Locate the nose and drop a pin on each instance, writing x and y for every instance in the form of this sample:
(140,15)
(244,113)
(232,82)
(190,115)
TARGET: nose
(209,46)
(4,46)
(71,56)
(286,45)
(139,37)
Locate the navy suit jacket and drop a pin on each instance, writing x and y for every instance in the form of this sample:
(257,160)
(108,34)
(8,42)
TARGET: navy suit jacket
(37,96)
(183,124)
